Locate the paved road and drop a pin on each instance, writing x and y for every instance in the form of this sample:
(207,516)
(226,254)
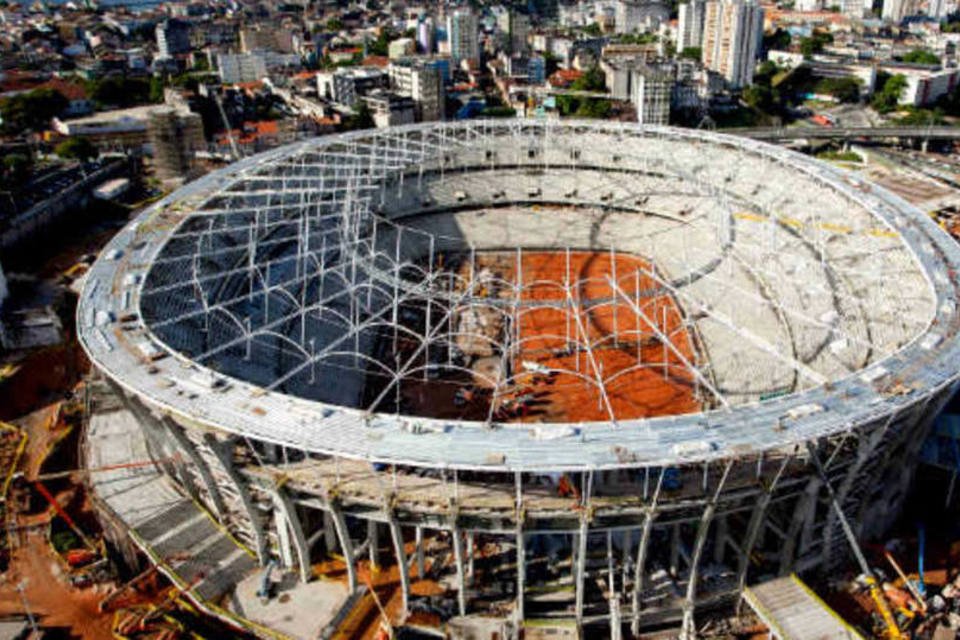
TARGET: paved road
(780,133)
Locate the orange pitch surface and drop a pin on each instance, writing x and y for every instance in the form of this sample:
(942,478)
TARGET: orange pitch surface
(625,350)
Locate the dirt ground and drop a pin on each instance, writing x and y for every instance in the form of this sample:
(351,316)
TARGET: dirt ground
(631,336)
(54,603)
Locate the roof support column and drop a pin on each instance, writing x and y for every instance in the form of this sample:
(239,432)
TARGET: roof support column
(455,537)
(291,520)
(397,534)
(688,630)
(346,544)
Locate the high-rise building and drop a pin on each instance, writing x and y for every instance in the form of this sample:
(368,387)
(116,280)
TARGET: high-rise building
(897,10)
(633,15)
(653,88)
(426,35)
(690,24)
(464,35)
(423,82)
(175,137)
(514,27)
(173,37)
(241,67)
(853,8)
(732,30)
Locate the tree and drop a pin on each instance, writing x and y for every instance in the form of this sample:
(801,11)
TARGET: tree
(361,119)
(694,53)
(815,43)
(334,24)
(843,89)
(77,149)
(31,111)
(888,97)
(593,29)
(778,40)
(759,96)
(120,91)
(921,56)
(15,169)
(593,79)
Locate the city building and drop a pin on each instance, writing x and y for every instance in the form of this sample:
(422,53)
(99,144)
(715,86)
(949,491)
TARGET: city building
(690,16)
(653,93)
(175,138)
(853,8)
(426,35)
(514,29)
(464,37)
(422,81)
(897,10)
(732,31)
(389,108)
(173,37)
(241,67)
(352,83)
(636,15)
(401,47)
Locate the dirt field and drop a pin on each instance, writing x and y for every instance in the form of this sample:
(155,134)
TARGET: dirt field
(562,344)
(643,376)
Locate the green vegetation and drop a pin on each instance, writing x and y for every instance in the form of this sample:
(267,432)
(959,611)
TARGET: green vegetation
(843,89)
(916,117)
(15,170)
(592,80)
(694,53)
(593,29)
(887,97)
(381,46)
(118,91)
(815,43)
(779,40)
(334,24)
(840,156)
(31,111)
(921,56)
(77,149)
(361,119)
(498,112)
(762,95)
(638,38)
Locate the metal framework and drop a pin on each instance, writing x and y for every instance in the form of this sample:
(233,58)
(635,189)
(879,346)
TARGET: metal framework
(274,317)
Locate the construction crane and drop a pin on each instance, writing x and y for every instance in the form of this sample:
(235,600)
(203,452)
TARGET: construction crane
(892,631)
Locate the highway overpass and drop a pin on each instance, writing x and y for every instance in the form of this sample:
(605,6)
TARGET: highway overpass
(849,133)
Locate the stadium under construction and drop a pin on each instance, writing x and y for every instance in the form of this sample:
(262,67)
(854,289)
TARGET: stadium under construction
(592,372)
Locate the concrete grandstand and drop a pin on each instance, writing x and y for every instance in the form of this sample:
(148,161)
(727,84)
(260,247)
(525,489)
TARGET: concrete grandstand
(616,354)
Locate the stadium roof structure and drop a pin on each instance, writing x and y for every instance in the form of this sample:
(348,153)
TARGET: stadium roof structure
(292,296)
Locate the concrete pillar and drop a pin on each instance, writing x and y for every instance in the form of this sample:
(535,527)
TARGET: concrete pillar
(346,545)
(521,572)
(421,565)
(397,534)
(639,570)
(580,570)
(373,544)
(288,522)
(455,537)
(471,554)
(329,533)
(688,630)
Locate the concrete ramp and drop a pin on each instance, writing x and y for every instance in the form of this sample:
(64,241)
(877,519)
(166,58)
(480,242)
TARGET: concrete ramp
(793,612)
